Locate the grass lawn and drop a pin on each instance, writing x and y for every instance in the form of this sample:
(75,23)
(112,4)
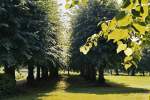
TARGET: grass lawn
(76,88)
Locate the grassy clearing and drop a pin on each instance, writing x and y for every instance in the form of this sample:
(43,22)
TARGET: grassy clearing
(76,88)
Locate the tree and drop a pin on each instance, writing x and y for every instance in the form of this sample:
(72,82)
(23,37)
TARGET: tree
(46,54)
(143,65)
(28,36)
(84,25)
(13,45)
(126,29)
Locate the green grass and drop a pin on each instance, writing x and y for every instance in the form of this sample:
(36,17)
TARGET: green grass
(76,88)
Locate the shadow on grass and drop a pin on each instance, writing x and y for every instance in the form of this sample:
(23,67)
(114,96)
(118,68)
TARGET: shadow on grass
(77,84)
(74,84)
(33,92)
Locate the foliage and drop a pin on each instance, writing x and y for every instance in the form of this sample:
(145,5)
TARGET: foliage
(28,32)
(126,29)
(84,24)
(144,63)
(13,45)
(71,3)
(47,30)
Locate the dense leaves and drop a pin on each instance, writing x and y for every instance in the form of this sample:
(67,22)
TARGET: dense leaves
(28,37)
(127,28)
(84,25)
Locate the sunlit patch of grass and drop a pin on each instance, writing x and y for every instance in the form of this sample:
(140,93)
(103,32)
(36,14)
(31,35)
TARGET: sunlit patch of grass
(20,75)
(131,81)
(1,70)
(121,88)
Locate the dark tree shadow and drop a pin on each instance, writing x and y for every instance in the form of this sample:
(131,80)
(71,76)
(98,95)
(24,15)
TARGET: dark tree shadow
(38,89)
(76,84)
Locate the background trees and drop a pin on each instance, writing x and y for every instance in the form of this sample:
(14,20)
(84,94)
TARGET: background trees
(84,25)
(28,37)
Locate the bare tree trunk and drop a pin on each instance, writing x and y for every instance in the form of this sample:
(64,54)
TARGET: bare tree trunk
(10,71)
(44,73)
(92,73)
(30,78)
(68,70)
(53,72)
(101,78)
(133,71)
(38,74)
(116,71)
(110,71)
(143,73)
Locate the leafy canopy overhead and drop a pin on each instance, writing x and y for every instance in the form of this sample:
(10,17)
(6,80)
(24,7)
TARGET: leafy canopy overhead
(126,30)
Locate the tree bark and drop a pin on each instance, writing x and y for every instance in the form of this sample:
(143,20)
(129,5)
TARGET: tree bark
(110,71)
(101,78)
(68,70)
(81,72)
(30,78)
(133,71)
(116,71)
(53,72)
(38,74)
(10,71)
(44,73)
(143,73)
(92,73)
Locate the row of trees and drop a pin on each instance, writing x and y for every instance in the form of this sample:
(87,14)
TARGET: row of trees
(84,25)
(28,37)
(103,55)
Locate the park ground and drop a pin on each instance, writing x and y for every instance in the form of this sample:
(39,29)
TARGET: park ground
(76,88)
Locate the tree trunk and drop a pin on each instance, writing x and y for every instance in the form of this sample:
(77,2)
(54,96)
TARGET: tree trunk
(81,72)
(30,78)
(110,71)
(87,72)
(38,74)
(44,73)
(101,78)
(68,70)
(10,71)
(116,71)
(92,73)
(53,72)
(143,73)
(133,71)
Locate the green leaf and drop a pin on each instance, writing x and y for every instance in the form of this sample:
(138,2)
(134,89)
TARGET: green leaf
(118,34)
(128,5)
(128,58)
(127,65)
(136,11)
(121,47)
(112,24)
(104,27)
(67,6)
(128,52)
(84,49)
(140,28)
(126,20)
(134,63)
(144,11)
(75,2)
